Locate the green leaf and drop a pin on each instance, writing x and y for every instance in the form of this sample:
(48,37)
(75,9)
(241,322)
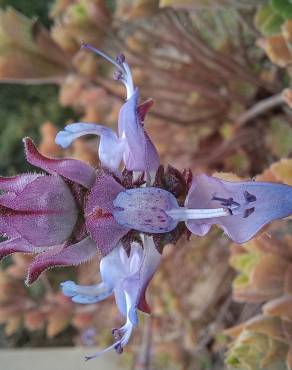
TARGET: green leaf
(282,7)
(267,21)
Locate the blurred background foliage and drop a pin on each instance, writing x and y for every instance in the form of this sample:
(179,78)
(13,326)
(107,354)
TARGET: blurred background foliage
(220,73)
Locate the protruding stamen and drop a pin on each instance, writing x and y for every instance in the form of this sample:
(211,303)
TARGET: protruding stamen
(249,197)
(102,54)
(184,214)
(120,59)
(226,202)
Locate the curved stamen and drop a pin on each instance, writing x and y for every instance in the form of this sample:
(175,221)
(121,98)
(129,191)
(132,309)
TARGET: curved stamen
(123,72)
(103,55)
(184,214)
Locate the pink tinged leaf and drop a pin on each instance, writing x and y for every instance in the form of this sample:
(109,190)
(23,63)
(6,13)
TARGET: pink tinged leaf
(71,255)
(110,150)
(258,204)
(144,209)
(100,223)
(70,169)
(17,183)
(17,245)
(43,212)
(140,153)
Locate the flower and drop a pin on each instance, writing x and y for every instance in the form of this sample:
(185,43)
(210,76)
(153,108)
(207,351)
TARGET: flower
(240,208)
(127,277)
(133,144)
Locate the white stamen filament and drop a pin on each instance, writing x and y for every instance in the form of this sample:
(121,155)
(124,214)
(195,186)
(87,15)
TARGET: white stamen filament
(126,77)
(128,80)
(184,214)
(103,55)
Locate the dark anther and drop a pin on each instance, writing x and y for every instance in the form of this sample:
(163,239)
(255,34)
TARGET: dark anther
(248,212)
(249,197)
(226,202)
(119,349)
(230,211)
(118,75)
(120,58)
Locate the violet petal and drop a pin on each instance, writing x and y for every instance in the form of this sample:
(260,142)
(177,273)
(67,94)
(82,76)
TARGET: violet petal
(266,202)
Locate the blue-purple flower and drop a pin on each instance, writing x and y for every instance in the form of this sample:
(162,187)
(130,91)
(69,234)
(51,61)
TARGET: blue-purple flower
(132,144)
(126,277)
(73,211)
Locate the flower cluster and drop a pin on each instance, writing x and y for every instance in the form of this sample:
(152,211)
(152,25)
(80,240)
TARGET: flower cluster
(128,214)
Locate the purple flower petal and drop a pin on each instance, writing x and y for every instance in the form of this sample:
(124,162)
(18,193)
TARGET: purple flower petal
(44,212)
(110,150)
(71,255)
(140,153)
(144,209)
(253,204)
(100,223)
(70,169)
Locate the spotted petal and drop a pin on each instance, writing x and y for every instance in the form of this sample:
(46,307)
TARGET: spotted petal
(144,209)
(258,204)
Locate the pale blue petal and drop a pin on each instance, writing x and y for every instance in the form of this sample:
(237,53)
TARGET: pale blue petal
(86,294)
(111,148)
(140,153)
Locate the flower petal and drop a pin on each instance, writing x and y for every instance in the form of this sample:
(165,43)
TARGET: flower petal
(86,294)
(111,148)
(137,284)
(71,255)
(70,169)
(140,153)
(144,209)
(258,204)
